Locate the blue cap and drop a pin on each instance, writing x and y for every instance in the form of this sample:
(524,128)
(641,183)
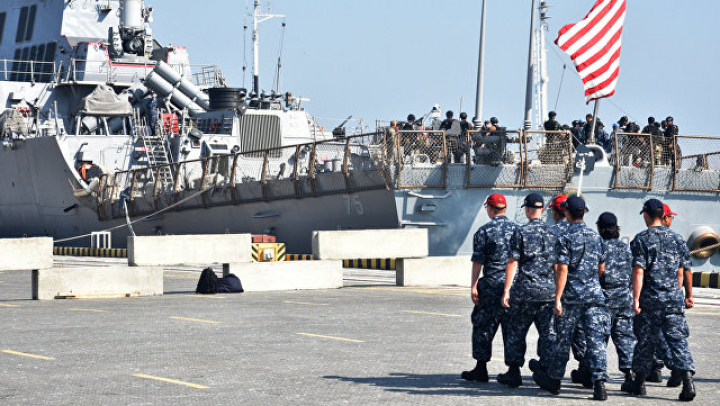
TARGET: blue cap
(534,200)
(606,219)
(653,207)
(575,205)
(615,125)
(581,122)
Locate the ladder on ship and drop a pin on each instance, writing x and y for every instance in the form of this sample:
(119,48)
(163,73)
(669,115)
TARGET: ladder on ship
(154,151)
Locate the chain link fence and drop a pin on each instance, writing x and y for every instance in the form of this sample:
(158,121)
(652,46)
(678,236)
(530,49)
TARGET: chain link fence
(421,158)
(495,159)
(697,164)
(636,164)
(548,159)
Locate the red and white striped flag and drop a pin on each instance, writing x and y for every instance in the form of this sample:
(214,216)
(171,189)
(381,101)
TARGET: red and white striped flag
(594,46)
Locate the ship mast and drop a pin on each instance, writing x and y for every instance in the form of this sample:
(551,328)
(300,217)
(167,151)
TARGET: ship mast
(527,123)
(541,76)
(258,17)
(481,72)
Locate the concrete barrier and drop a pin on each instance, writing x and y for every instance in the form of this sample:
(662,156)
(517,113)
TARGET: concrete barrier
(293,275)
(434,271)
(26,254)
(96,282)
(167,250)
(361,244)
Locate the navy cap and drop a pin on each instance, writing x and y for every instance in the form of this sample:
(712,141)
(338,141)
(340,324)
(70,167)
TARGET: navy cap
(653,207)
(575,205)
(606,219)
(534,200)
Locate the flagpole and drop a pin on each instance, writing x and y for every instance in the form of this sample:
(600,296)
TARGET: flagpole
(528,85)
(477,120)
(591,136)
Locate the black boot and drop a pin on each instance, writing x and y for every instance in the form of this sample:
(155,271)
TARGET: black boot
(479,374)
(638,386)
(655,375)
(511,378)
(547,383)
(582,376)
(535,365)
(599,392)
(629,378)
(675,379)
(688,390)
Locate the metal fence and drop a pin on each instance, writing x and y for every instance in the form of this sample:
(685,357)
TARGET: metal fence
(548,162)
(697,164)
(634,161)
(421,159)
(495,159)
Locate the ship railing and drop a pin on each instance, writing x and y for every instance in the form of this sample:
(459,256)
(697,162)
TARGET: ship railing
(323,126)
(341,165)
(26,71)
(696,163)
(547,159)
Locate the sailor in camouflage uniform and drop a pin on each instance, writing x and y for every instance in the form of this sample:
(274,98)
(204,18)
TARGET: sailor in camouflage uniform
(582,374)
(578,300)
(659,259)
(530,296)
(616,285)
(490,255)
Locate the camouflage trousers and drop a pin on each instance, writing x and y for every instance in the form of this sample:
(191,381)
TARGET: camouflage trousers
(486,318)
(595,324)
(579,345)
(662,354)
(648,326)
(516,325)
(621,331)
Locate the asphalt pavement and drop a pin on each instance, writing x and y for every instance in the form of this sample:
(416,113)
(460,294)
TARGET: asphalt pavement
(366,344)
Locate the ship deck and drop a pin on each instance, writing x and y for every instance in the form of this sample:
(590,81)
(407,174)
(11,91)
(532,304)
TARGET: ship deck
(368,343)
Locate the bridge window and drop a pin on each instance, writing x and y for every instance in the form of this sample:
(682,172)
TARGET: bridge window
(15,65)
(2,25)
(26,24)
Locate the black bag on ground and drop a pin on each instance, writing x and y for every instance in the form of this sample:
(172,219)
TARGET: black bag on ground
(208,282)
(229,284)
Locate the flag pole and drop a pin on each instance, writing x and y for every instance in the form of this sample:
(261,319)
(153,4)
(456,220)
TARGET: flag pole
(591,136)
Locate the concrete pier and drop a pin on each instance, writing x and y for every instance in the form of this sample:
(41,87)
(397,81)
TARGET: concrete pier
(434,271)
(346,244)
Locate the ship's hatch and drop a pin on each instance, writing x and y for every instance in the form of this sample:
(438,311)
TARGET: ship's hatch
(260,131)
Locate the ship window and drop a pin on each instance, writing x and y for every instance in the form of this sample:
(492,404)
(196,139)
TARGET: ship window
(2,25)
(49,60)
(31,23)
(22,24)
(39,66)
(24,76)
(15,65)
(32,68)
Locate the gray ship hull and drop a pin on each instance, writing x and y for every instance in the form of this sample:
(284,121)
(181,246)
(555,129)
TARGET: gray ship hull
(38,200)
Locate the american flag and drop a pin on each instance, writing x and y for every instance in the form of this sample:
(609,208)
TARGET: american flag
(594,46)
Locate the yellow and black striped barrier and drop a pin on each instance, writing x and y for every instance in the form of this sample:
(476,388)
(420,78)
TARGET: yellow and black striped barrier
(387,264)
(299,257)
(277,248)
(91,252)
(706,280)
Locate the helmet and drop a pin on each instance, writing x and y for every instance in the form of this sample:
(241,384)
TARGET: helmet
(575,122)
(449,114)
(463,115)
(669,119)
(411,117)
(493,120)
(651,120)
(552,114)
(393,123)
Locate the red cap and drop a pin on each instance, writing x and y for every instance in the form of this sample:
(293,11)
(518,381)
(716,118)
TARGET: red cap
(496,200)
(667,211)
(557,201)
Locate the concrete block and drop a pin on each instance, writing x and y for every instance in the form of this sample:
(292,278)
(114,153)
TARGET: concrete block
(26,254)
(434,271)
(289,275)
(97,282)
(387,243)
(165,250)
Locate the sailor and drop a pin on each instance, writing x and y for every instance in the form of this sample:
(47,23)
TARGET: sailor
(551,124)
(616,285)
(578,133)
(465,128)
(153,111)
(452,134)
(662,353)
(582,374)
(579,300)
(530,297)
(490,255)
(555,140)
(588,127)
(659,259)
(603,138)
(410,123)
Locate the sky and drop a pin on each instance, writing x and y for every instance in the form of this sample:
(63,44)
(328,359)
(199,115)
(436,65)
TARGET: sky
(383,59)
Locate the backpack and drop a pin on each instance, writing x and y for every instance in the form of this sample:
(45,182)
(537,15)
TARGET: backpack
(208,282)
(229,284)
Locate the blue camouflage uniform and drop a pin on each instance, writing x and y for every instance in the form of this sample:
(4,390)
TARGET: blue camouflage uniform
(582,250)
(616,283)
(490,248)
(660,252)
(578,344)
(533,292)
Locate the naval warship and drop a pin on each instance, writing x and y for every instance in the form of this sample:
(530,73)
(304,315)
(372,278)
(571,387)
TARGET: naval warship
(80,154)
